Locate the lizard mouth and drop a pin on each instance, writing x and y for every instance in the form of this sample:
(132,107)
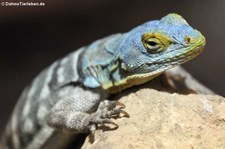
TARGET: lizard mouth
(172,62)
(186,56)
(180,58)
(195,48)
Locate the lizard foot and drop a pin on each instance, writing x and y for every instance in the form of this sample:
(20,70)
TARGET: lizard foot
(106,110)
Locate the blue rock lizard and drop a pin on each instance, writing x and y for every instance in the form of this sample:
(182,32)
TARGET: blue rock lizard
(70,95)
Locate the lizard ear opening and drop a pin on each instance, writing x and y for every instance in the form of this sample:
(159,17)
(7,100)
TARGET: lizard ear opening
(155,43)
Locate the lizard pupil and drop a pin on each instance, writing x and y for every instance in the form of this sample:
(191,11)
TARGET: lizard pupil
(152,43)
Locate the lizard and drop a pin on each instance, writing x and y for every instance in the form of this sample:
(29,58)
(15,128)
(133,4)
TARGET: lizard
(71,95)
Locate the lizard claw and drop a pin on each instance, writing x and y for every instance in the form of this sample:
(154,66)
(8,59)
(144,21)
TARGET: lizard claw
(125,114)
(117,103)
(102,121)
(106,110)
(108,121)
(110,105)
(116,112)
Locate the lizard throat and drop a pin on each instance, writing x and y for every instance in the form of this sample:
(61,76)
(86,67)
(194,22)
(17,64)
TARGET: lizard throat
(140,78)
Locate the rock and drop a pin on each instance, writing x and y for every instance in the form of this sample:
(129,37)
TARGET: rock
(164,120)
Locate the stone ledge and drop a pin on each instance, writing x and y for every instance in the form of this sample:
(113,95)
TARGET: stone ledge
(164,120)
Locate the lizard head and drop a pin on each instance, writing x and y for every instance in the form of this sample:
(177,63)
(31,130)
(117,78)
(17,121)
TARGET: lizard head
(156,46)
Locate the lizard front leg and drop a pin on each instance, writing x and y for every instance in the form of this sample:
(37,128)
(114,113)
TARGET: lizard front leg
(82,110)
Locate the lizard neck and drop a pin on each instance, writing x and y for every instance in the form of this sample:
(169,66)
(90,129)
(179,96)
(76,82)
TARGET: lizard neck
(122,79)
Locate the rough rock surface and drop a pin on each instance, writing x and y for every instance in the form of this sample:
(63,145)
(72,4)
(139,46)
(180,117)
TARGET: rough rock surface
(164,120)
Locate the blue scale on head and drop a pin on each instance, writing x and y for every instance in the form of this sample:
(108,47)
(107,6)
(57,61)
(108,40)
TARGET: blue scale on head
(171,35)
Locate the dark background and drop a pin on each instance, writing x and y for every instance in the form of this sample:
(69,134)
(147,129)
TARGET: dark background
(31,38)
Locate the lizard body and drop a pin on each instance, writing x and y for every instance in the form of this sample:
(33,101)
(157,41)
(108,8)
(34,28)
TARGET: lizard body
(70,95)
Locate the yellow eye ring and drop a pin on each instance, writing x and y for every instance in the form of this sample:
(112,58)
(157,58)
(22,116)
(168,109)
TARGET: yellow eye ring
(155,42)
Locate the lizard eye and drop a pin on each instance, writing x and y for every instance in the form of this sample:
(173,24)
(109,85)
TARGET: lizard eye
(155,43)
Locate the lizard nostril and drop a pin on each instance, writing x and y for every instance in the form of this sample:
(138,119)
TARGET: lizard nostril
(187,40)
